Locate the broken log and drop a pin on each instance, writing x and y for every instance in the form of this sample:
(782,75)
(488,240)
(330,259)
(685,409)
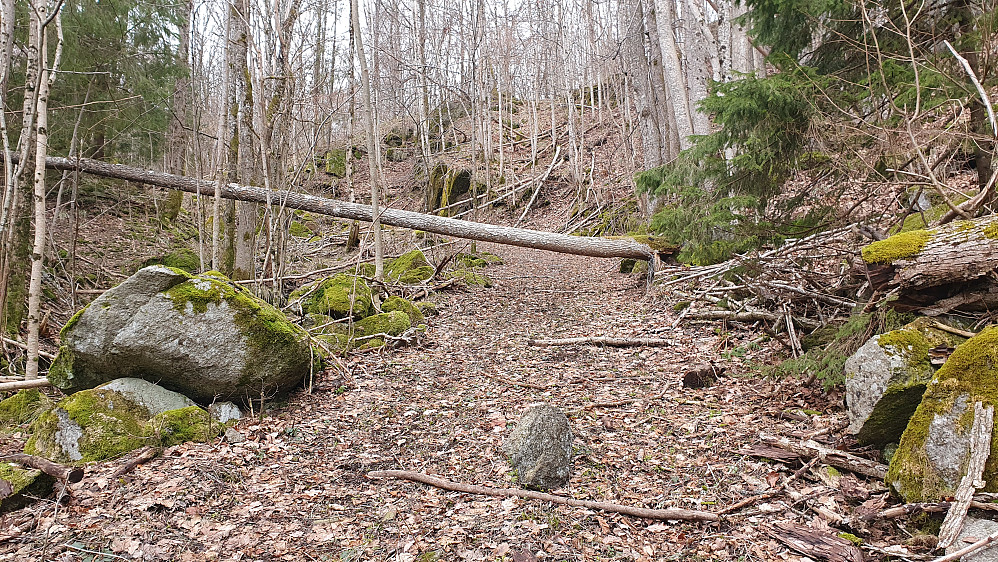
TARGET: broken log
(980,449)
(829,456)
(661,514)
(938,270)
(815,543)
(71,474)
(555,242)
(27,383)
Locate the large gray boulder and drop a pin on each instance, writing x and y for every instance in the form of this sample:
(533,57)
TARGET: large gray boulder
(540,448)
(935,447)
(199,335)
(885,380)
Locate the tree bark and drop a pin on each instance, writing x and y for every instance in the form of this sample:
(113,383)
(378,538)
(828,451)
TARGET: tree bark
(563,243)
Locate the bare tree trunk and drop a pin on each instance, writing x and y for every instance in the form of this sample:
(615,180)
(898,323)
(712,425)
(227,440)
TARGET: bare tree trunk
(372,143)
(246,168)
(675,76)
(176,134)
(46,78)
(639,72)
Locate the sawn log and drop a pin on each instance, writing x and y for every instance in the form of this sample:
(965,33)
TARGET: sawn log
(555,242)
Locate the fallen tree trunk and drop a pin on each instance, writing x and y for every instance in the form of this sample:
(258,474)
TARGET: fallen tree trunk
(563,243)
(938,270)
(71,474)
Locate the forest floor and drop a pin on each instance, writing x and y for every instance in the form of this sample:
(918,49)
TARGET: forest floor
(297,489)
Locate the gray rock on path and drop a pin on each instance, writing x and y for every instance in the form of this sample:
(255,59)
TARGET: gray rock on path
(199,335)
(540,448)
(974,530)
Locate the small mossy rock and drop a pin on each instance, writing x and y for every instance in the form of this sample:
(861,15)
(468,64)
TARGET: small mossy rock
(934,448)
(470,261)
(23,407)
(91,425)
(410,268)
(886,377)
(392,323)
(20,487)
(469,277)
(182,425)
(540,448)
(339,296)
(199,335)
(394,303)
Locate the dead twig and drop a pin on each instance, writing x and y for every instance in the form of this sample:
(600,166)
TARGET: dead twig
(145,455)
(660,514)
(833,457)
(749,501)
(609,342)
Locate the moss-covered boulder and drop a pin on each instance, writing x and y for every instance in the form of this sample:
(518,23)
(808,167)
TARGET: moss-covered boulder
(471,261)
(22,408)
(934,448)
(400,304)
(409,269)
(200,335)
(20,486)
(339,296)
(391,323)
(886,377)
(110,420)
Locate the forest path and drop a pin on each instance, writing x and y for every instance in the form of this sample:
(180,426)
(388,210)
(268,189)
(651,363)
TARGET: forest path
(296,488)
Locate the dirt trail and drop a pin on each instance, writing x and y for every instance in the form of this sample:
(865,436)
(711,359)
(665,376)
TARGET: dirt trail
(296,489)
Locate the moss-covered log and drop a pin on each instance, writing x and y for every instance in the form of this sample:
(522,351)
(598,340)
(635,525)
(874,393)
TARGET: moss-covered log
(563,243)
(941,269)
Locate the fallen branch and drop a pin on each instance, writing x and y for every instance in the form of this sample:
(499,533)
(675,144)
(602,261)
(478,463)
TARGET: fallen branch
(661,514)
(815,543)
(147,454)
(967,550)
(829,456)
(751,500)
(609,342)
(18,385)
(980,449)
(909,509)
(41,353)
(71,474)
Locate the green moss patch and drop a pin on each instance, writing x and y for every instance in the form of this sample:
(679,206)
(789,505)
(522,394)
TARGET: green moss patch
(184,259)
(471,261)
(185,424)
(339,297)
(23,407)
(469,277)
(410,268)
(394,303)
(899,246)
(25,486)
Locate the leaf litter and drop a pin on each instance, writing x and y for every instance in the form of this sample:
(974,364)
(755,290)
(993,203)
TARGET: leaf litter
(296,488)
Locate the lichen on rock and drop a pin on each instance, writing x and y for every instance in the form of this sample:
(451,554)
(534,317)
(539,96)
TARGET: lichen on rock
(934,448)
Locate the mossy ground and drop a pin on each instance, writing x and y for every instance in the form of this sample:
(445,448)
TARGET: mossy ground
(970,372)
(469,277)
